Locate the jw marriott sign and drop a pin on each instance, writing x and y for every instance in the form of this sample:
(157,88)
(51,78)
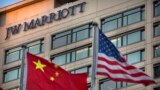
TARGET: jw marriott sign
(45,19)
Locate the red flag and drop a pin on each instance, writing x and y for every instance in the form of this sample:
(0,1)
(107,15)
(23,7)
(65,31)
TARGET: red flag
(43,75)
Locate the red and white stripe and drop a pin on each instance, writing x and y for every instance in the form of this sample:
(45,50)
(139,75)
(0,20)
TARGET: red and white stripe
(121,71)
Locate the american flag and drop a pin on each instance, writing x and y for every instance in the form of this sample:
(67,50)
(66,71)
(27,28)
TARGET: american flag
(112,64)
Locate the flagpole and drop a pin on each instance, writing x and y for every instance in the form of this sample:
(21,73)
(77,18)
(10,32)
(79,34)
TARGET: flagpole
(95,52)
(24,48)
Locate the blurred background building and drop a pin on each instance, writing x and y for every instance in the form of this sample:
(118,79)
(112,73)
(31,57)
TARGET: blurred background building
(61,31)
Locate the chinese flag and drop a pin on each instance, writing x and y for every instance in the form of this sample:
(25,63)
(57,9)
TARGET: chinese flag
(44,75)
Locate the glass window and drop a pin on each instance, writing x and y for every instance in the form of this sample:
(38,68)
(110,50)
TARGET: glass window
(71,56)
(135,57)
(111,23)
(86,69)
(121,84)
(114,41)
(123,19)
(82,53)
(35,47)
(156,8)
(16,53)
(5,3)
(142,35)
(134,18)
(128,38)
(61,39)
(13,55)
(107,85)
(71,36)
(68,58)
(124,40)
(157,51)
(157,29)
(59,60)
(12,74)
(81,33)
(134,37)
(119,42)
(156,70)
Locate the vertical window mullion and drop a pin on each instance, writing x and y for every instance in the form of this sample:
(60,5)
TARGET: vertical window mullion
(18,73)
(76,36)
(67,39)
(127,39)
(40,46)
(75,55)
(52,40)
(89,30)
(127,19)
(19,54)
(70,53)
(121,20)
(66,58)
(116,84)
(117,41)
(141,12)
(72,36)
(140,52)
(117,22)
(121,41)
(154,11)
(88,52)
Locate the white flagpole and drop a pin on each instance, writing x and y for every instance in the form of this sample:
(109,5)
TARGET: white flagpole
(95,52)
(22,79)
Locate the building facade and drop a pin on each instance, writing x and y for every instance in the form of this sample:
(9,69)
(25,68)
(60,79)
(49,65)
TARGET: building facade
(61,31)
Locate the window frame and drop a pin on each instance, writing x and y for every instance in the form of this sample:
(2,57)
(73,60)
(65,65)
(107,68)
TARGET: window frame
(5,61)
(141,59)
(41,43)
(87,66)
(154,25)
(21,50)
(157,45)
(89,29)
(105,80)
(141,30)
(154,66)
(11,69)
(88,46)
(142,10)
(156,1)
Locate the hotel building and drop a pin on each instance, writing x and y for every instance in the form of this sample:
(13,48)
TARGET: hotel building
(61,31)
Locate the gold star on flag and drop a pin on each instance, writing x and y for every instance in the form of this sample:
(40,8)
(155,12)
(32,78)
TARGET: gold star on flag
(57,74)
(52,78)
(39,65)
